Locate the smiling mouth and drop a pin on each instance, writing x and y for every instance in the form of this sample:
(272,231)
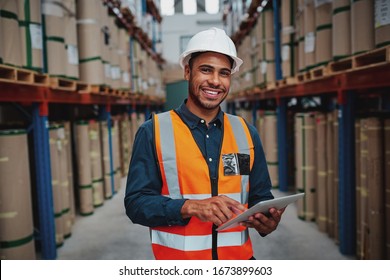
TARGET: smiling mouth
(211,93)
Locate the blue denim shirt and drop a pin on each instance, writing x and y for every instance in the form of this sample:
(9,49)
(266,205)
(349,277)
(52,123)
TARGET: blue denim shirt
(143,202)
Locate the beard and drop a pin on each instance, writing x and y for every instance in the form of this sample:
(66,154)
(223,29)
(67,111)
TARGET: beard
(196,97)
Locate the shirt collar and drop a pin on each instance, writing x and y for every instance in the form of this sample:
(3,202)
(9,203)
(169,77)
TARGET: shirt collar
(192,120)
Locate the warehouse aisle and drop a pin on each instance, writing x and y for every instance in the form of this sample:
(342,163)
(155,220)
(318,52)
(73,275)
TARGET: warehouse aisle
(109,235)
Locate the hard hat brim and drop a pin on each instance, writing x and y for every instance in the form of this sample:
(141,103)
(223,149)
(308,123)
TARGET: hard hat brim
(185,57)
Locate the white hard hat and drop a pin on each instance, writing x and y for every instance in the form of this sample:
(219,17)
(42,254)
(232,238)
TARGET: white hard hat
(213,40)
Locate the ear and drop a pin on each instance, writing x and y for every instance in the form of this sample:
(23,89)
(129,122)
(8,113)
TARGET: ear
(187,71)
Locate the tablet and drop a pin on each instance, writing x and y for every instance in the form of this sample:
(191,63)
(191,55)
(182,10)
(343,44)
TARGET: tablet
(263,206)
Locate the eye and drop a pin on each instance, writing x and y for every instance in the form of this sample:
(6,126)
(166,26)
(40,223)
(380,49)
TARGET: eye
(206,70)
(225,73)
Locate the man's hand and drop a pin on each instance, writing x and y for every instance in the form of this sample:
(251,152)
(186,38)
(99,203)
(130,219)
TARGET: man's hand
(217,209)
(265,224)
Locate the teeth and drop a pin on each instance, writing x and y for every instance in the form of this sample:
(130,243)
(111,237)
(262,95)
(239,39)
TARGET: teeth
(211,92)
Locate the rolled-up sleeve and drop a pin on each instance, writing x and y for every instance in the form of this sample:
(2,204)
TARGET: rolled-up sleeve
(143,200)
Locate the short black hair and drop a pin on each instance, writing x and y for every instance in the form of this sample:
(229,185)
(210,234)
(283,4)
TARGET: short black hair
(196,54)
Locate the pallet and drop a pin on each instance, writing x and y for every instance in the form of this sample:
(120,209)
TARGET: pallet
(319,72)
(63,84)
(286,82)
(372,58)
(17,75)
(368,59)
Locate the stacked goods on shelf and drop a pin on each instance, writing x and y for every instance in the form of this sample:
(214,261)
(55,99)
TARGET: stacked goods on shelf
(134,126)
(322,171)
(271,146)
(90,41)
(96,163)
(105,151)
(10,35)
(287,38)
(69,160)
(371,197)
(268,47)
(333,170)
(256,54)
(300,36)
(124,62)
(136,66)
(30,26)
(71,42)
(266,124)
(246,75)
(54,38)
(362,26)
(114,58)
(387,184)
(382,23)
(84,168)
(305,164)
(16,223)
(341,43)
(60,184)
(116,154)
(323,33)
(125,143)
(309,26)
(154,80)
(316,168)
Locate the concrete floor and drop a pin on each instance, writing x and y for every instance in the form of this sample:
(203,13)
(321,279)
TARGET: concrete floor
(109,235)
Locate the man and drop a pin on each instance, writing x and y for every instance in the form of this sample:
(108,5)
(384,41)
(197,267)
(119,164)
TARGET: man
(179,183)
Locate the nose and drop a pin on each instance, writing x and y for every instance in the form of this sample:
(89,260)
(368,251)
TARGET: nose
(214,79)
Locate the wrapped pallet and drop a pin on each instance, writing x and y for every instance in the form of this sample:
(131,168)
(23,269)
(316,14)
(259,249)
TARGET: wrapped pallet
(55,146)
(309,26)
(10,35)
(16,220)
(305,164)
(96,163)
(106,158)
(71,43)
(322,168)
(341,21)
(54,38)
(382,23)
(69,161)
(359,192)
(124,61)
(387,184)
(376,191)
(85,190)
(30,27)
(287,37)
(362,26)
(90,44)
(323,37)
(271,146)
(300,36)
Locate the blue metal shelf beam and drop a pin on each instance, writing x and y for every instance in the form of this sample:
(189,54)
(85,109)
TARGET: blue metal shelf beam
(43,182)
(347,183)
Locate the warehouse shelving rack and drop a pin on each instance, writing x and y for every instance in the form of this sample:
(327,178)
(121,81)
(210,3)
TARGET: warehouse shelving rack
(23,87)
(344,80)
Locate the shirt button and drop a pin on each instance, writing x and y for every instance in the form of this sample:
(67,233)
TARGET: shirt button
(215,124)
(210,159)
(207,136)
(202,121)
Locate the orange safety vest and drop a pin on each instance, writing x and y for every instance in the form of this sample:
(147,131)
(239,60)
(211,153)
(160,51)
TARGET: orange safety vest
(185,174)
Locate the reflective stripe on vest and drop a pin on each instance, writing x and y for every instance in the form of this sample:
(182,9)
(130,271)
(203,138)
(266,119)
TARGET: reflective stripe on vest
(198,242)
(242,145)
(185,174)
